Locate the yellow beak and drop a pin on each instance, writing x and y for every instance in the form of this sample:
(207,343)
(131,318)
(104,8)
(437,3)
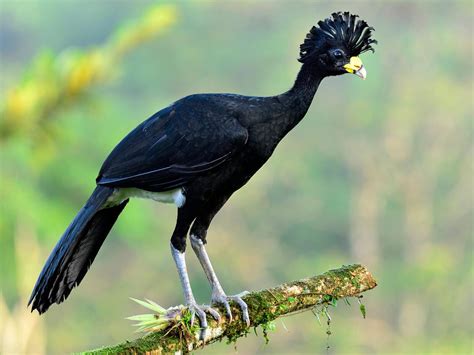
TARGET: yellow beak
(356,67)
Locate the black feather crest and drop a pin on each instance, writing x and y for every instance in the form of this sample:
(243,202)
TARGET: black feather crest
(341,28)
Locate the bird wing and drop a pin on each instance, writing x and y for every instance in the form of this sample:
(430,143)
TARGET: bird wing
(173,147)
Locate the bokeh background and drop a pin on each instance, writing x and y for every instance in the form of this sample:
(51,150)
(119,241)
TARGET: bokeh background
(379,172)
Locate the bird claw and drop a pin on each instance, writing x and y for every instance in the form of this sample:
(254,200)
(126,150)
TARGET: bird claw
(223,299)
(212,312)
(200,313)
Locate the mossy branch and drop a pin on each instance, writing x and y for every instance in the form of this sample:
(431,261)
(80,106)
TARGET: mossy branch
(264,307)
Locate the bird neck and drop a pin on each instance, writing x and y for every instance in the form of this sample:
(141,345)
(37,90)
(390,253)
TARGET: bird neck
(298,99)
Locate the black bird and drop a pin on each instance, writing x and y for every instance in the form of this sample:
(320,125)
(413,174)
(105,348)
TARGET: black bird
(196,153)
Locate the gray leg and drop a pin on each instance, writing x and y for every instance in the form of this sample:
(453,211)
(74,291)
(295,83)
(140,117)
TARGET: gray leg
(218,294)
(195,310)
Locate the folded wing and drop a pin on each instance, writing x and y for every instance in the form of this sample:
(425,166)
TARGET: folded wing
(173,147)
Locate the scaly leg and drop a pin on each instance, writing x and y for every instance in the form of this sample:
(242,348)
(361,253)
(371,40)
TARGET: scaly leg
(194,308)
(218,294)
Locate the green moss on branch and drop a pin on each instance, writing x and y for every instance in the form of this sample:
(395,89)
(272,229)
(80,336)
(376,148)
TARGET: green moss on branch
(264,307)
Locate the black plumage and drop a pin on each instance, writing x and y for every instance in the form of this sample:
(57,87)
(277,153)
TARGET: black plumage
(76,250)
(197,152)
(174,146)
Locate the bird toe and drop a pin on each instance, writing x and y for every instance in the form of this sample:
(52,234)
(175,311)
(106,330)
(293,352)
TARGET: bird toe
(243,306)
(224,300)
(213,313)
(197,311)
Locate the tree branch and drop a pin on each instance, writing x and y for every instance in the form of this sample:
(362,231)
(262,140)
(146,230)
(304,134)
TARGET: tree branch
(264,307)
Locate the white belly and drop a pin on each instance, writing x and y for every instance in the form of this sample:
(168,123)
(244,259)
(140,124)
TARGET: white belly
(175,196)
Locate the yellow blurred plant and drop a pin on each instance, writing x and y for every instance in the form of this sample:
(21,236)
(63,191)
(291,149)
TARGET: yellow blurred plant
(55,81)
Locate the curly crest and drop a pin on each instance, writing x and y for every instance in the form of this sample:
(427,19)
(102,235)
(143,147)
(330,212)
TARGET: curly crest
(341,28)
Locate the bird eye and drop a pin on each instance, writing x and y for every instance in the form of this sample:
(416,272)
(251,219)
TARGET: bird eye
(338,54)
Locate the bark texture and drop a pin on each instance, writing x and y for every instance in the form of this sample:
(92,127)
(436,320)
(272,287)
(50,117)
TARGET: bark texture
(264,307)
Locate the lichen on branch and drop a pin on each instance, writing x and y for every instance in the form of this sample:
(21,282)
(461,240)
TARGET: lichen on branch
(264,307)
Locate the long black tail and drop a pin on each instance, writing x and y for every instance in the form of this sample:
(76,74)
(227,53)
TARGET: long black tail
(76,250)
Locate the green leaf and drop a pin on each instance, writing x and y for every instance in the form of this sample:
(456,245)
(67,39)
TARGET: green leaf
(362,310)
(150,305)
(156,305)
(141,317)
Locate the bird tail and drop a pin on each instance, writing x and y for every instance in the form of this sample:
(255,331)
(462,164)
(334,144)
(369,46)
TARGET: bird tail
(76,250)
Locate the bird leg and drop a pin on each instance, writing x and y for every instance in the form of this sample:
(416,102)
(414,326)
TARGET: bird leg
(218,294)
(194,308)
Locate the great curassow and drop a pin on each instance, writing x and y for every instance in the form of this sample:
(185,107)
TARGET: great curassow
(196,153)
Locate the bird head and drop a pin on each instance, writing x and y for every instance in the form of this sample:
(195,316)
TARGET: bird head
(334,45)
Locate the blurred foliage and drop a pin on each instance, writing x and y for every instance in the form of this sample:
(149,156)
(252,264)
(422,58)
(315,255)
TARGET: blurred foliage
(53,82)
(22,332)
(384,179)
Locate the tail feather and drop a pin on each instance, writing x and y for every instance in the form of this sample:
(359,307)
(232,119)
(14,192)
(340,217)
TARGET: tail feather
(76,250)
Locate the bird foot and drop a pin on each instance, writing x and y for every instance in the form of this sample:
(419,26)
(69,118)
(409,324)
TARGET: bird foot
(222,298)
(200,313)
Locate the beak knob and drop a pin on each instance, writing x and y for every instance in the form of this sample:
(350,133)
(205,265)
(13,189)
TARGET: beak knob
(356,67)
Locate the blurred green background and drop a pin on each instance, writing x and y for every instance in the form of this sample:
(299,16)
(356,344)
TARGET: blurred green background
(379,172)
